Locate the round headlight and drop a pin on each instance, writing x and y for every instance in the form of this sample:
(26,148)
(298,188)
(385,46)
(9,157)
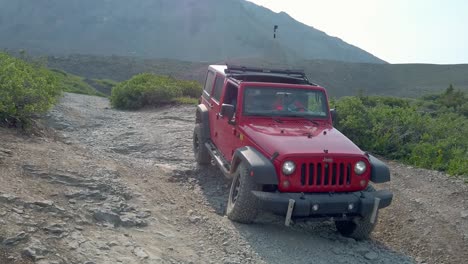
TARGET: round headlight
(289,167)
(360,167)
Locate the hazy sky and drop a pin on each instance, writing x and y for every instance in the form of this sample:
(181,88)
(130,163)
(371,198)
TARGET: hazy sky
(397,31)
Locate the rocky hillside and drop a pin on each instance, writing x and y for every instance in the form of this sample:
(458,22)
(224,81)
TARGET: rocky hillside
(195,30)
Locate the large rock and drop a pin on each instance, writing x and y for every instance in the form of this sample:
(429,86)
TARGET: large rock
(106,215)
(141,253)
(43,203)
(35,251)
(131,220)
(15,240)
(7,198)
(86,194)
(57,229)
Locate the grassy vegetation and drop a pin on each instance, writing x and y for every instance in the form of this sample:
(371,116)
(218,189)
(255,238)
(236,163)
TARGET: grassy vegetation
(104,86)
(74,84)
(186,100)
(152,90)
(430,132)
(25,90)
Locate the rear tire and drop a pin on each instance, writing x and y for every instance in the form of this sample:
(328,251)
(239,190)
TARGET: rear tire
(242,204)
(202,156)
(359,228)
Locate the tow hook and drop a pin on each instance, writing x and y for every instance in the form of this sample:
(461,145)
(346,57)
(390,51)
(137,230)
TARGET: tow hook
(374,210)
(287,221)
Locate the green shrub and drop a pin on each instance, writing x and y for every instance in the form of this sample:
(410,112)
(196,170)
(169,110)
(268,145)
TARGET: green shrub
(353,120)
(425,132)
(25,90)
(191,89)
(151,90)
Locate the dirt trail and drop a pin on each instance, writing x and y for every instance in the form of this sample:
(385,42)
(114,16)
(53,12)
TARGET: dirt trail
(122,187)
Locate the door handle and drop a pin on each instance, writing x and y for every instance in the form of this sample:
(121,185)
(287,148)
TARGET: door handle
(211,105)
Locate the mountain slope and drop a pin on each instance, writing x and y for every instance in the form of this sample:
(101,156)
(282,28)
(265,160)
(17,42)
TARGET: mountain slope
(340,78)
(401,80)
(195,30)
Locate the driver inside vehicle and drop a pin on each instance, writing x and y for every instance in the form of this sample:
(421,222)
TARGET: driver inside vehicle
(289,102)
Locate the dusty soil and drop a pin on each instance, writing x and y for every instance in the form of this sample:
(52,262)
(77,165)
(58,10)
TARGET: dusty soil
(107,186)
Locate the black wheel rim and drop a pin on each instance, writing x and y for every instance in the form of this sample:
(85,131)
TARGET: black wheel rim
(235,189)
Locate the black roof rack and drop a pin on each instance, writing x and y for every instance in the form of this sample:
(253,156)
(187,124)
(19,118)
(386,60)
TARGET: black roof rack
(242,69)
(241,72)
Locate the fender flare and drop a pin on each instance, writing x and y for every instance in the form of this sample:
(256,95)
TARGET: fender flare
(262,168)
(379,171)
(203,119)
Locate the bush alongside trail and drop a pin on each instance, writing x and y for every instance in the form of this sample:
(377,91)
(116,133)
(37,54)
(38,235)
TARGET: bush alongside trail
(151,90)
(25,90)
(431,132)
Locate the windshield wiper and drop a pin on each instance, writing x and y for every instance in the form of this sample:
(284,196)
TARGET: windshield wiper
(274,118)
(313,121)
(306,118)
(277,120)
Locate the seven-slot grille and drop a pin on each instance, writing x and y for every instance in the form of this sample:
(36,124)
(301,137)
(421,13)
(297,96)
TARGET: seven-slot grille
(326,174)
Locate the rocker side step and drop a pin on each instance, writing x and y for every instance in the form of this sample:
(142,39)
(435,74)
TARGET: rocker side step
(222,163)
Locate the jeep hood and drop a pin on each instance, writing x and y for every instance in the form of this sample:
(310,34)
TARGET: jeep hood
(299,137)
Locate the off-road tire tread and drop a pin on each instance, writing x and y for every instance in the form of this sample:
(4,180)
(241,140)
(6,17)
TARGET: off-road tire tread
(202,156)
(246,208)
(363,228)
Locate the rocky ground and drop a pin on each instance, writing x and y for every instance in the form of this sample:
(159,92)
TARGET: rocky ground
(107,186)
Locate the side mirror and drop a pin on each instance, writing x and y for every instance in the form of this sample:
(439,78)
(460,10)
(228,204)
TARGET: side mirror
(227,110)
(334,115)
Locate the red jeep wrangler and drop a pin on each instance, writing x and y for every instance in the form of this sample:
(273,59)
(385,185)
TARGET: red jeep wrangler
(271,132)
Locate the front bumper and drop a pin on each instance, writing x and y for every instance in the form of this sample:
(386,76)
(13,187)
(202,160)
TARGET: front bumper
(326,204)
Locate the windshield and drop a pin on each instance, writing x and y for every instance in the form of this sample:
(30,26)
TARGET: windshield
(287,102)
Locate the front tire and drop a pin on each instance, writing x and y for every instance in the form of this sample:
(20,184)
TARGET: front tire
(359,228)
(242,204)
(202,156)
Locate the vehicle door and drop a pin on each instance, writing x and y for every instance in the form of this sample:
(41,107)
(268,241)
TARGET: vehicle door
(228,136)
(215,108)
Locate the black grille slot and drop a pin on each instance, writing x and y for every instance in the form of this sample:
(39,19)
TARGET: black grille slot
(334,174)
(348,174)
(327,173)
(303,174)
(319,174)
(311,173)
(342,174)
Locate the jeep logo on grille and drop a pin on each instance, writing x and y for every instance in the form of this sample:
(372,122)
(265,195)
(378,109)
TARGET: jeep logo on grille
(329,160)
